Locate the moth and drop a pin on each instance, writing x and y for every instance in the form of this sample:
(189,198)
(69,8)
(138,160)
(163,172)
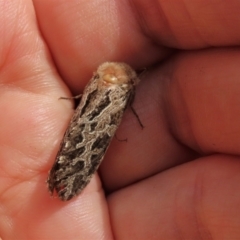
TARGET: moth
(93,125)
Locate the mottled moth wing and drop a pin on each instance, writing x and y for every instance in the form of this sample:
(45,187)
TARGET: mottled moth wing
(91,129)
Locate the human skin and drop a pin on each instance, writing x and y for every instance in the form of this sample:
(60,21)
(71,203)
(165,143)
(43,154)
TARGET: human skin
(178,178)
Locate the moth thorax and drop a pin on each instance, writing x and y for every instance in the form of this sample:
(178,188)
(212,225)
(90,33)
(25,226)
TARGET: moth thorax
(115,73)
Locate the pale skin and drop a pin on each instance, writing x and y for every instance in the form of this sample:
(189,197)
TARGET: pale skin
(179,177)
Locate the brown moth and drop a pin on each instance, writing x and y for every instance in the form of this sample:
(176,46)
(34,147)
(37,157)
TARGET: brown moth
(93,125)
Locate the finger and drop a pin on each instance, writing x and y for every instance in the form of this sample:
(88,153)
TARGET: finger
(199,198)
(189,24)
(32,123)
(96,31)
(189,107)
(203,100)
(83,34)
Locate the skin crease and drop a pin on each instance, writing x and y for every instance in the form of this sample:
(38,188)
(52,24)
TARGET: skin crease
(178,178)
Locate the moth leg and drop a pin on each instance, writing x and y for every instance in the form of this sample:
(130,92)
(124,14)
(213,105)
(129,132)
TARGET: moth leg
(136,115)
(140,74)
(131,100)
(76,98)
(69,98)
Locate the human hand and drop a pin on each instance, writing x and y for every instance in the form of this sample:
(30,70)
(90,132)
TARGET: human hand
(178,177)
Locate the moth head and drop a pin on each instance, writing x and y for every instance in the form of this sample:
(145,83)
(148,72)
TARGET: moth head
(117,73)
